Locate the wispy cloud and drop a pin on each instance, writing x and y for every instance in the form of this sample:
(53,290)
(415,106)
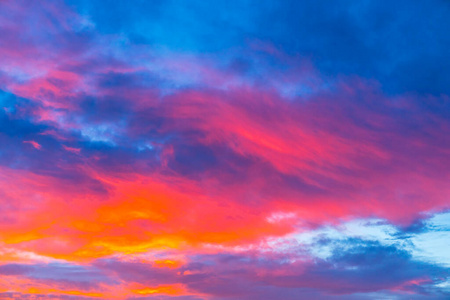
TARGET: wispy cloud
(192,151)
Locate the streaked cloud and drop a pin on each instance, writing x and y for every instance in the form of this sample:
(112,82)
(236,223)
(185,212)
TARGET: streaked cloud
(251,150)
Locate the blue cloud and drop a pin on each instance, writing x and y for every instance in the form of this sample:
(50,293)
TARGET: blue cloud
(403,45)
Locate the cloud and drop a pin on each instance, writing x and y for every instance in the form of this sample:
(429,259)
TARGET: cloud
(204,132)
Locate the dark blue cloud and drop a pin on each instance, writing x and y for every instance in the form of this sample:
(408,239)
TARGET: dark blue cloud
(65,274)
(14,269)
(403,45)
(356,269)
(20,296)
(138,272)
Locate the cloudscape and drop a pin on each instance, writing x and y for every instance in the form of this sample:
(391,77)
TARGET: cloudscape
(221,150)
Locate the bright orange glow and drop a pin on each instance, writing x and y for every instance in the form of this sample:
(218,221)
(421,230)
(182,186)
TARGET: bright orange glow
(167,263)
(177,289)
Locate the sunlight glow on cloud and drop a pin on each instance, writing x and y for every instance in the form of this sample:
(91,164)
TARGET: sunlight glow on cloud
(227,150)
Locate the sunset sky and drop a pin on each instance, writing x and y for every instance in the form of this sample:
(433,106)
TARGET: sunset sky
(222,150)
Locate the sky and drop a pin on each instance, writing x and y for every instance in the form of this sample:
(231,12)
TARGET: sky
(221,150)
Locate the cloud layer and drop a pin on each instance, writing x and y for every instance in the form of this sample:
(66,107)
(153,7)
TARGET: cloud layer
(180,150)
